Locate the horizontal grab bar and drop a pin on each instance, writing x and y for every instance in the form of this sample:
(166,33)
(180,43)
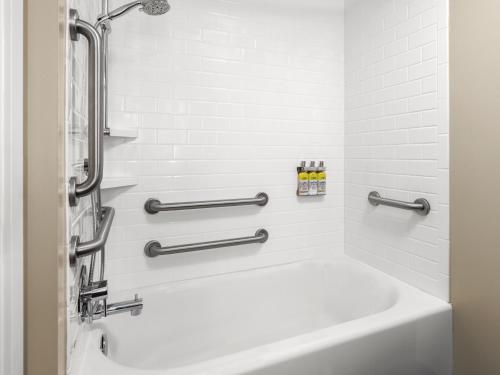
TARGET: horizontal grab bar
(154,249)
(82,249)
(153,206)
(421,206)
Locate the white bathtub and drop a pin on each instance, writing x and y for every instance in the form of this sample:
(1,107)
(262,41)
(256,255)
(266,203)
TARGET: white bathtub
(332,317)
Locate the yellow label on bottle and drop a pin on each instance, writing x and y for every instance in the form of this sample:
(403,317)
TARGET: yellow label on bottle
(303,176)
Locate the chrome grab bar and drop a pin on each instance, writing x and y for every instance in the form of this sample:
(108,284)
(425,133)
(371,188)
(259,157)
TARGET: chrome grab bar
(154,249)
(82,249)
(153,206)
(95,149)
(421,206)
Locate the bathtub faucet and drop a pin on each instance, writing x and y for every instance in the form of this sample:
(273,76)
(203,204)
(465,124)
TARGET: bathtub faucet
(92,303)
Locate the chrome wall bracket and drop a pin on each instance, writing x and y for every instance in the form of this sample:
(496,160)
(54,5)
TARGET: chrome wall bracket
(73,19)
(72,195)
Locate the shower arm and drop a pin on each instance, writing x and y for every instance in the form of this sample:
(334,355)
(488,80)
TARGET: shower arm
(109,16)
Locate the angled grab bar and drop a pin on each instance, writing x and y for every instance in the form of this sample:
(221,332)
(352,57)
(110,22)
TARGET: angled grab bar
(95,150)
(153,206)
(154,249)
(82,249)
(421,206)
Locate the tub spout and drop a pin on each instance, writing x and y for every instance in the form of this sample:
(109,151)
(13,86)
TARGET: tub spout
(133,306)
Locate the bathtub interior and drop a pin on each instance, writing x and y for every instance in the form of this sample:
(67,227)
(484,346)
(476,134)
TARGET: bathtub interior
(199,320)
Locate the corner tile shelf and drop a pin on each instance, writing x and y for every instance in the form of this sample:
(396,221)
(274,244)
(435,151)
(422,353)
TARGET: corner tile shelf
(118,182)
(123,133)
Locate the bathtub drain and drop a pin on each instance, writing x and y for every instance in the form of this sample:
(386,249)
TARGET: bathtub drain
(104,344)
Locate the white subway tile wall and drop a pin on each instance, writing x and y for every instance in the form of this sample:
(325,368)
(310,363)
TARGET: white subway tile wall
(396,137)
(227,98)
(79,219)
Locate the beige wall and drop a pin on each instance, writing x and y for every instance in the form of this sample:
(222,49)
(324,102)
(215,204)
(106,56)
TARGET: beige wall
(44,229)
(475,185)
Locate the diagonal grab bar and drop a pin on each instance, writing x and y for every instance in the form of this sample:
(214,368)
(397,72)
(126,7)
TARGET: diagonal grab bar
(82,249)
(154,249)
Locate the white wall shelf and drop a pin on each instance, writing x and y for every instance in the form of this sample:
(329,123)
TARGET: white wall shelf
(118,182)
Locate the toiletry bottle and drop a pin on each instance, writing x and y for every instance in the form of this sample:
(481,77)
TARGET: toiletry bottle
(321,178)
(313,179)
(302,180)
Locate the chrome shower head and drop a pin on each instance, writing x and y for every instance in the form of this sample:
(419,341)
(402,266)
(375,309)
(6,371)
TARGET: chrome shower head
(155,7)
(150,7)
